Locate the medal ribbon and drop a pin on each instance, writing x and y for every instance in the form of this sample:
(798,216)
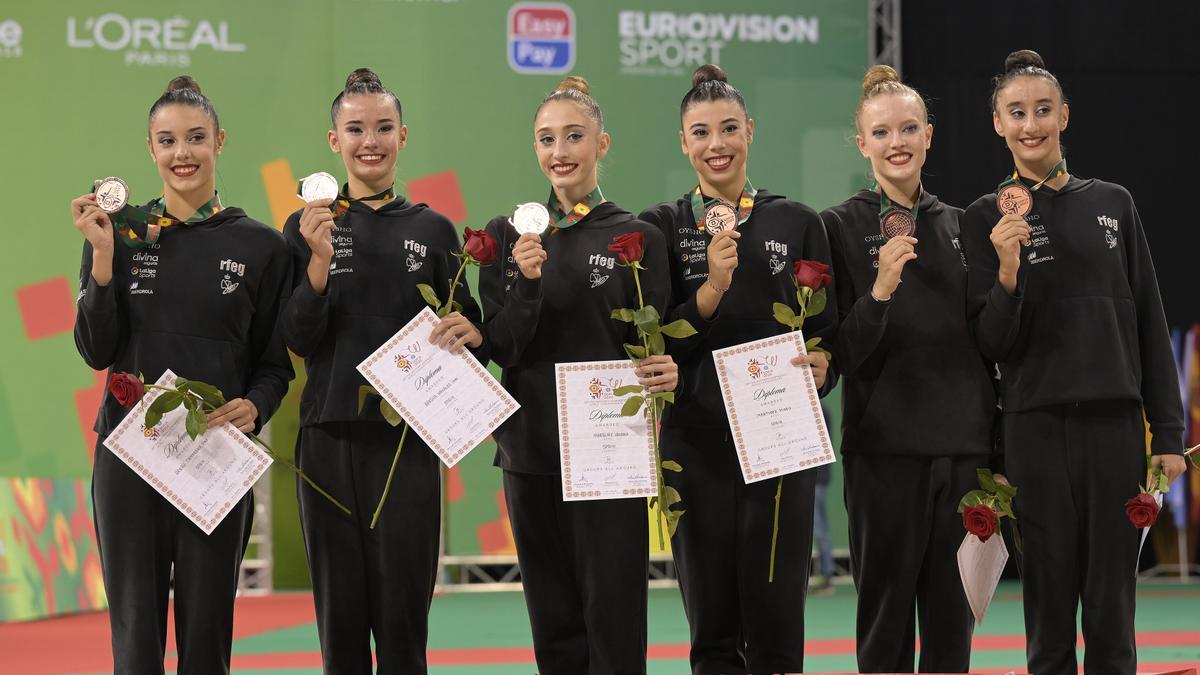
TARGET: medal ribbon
(155,219)
(885,204)
(744,206)
(341,205)
(1058,170)
(584,207)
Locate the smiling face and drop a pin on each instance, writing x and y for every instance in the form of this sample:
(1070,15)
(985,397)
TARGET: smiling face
(185,145)
(569,144)
(1030,115)
(716,138)
(894,135)
(369,136)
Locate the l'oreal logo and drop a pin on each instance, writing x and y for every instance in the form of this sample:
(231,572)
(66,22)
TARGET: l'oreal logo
(116,32)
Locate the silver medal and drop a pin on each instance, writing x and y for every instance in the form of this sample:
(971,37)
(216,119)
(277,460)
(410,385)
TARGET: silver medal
(530,218)
(319,185)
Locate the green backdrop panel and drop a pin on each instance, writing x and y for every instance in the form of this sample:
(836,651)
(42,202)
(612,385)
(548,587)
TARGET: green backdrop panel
(81,77)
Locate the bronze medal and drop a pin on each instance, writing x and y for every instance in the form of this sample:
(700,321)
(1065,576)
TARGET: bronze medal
(897,223)
(1014,198)
(720,216)
(112,194)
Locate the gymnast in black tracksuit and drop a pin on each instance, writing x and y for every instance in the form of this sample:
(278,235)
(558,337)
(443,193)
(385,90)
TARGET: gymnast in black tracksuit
(356,285)
(201,297)
(739,622)
(583,563)
(1075,322)
(918,401)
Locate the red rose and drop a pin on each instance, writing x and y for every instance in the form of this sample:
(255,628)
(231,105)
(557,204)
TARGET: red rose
(980,521)
(1142,510)
(811,274)
(126,388)
(628,247)
(480,245)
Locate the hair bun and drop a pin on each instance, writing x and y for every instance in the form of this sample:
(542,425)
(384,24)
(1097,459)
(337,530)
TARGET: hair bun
(574,82)
(877,75)
(708,72)
(363,76)
(184,83)
(1023,58)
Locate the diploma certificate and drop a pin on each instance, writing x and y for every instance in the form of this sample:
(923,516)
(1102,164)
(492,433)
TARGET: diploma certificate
(204,478)
(602,453)
(773,407)
(450,400)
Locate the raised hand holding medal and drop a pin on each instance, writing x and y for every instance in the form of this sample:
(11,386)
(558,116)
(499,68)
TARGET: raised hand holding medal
(895,221)
(898,225)
(530,220)
(1013,198)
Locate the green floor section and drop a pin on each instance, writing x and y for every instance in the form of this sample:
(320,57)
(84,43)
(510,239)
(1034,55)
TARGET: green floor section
(499,620)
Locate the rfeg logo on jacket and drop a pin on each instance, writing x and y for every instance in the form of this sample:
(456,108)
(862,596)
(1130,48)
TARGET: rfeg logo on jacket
(416,255)
(599,261)
(230,268)
(1111,227)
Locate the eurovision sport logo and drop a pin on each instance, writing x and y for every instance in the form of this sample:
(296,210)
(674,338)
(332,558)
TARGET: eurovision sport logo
(541,38)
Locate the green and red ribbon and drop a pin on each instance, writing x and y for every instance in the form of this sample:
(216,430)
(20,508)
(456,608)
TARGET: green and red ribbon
(155,219)
(577,213)
(744,206)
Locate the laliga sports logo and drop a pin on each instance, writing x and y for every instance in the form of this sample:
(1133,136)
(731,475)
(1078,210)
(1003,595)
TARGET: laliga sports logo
(602,388)
(541,37)
(10,39)
(150,42)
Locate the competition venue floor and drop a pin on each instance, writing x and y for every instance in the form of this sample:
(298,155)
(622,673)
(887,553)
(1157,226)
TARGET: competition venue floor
(488,634)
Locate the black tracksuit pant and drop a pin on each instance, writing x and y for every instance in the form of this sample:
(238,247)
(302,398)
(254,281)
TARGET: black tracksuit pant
(905,531)
(583,567)
(740,622)
(370,582)
(1075,465)
(141,536)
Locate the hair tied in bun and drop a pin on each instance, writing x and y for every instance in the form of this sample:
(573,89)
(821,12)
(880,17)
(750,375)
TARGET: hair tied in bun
(1023,58)
(575,83)
(363,81)
(710,83)
(184,83)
